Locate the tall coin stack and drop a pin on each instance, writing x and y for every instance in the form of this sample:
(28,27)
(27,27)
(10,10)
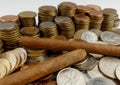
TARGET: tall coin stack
(67,9)
(96,19)
(46,13)
(10,18)
(27,18)
(81,22)
(48,29)
(81,9)
(9,33)
(33,54)
(1,46)
(109,16)
(66,26)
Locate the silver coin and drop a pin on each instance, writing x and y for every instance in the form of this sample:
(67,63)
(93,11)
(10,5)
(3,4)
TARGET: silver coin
(100,81)
(96,31)
(62,19)
(89,36)
(117,72)
(108,66)
(110,38)
(70,76)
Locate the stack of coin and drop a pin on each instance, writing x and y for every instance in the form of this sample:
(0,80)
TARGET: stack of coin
(81,9)
(10,18)
(109,16)
(1,46)
(30,31)
(27,18)
(94,7)
(96,19)
(81,22)
(48,29)
(11,60)
(69,6)
(66,26)
(46,13)
(9,33)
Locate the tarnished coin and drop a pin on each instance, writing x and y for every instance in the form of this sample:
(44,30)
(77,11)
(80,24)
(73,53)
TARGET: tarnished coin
(110,38)
(117,72)
(108,66)
(100,81)
(89,36)
(70,76)
(3,70)
(94,73)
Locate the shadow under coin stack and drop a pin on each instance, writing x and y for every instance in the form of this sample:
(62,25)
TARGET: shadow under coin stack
(9,33)
(48,29)
(96,19)
(10,18)
(81,22)
(108,21)
(46,13)
(66,26)
(33,54)
(67,9)
(1,46)
(27,18)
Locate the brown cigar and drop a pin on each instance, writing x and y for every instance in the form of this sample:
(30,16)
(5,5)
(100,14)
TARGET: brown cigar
(43,68)
(60,45)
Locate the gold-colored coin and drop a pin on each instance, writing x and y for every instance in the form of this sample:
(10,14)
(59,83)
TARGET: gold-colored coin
(94,7)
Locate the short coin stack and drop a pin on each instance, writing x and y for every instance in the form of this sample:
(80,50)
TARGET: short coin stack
(11,60)
(81,22)
(48,29)
(46,13)
(9,33)
(69,6)
(108,21)
(1,46)
(96,18)
(66,26)
(27,18)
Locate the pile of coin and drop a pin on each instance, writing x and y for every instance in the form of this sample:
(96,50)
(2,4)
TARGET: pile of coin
(81,22)
(30,31)
(1,46)
(48,29)
(109,16)
(81,9)
(10,18)
(66,26)
(46,13)
(69,6)
(11,60)
(9,33)
(96,18)
(27,18)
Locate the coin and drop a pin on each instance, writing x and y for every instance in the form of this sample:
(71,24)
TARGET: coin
(94,7)
(95,72)
(110,38)
(96,31)
(108,65)
(117,72)
(3,70)
(82,9)
(70,76)
(89,36)
(100,81)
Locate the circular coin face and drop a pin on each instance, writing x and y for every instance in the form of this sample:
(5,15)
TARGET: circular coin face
(110,38)
(117,72)
(101,81)
(27,14)
(70,76)
(108,66)
(62,19)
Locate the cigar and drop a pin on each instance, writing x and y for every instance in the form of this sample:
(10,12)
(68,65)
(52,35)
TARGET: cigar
(45,68)
(60,45)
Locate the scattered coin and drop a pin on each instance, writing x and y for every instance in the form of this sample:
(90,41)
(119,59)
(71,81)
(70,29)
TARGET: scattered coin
(101,81)
(96,31)
(110,38)
(89,36)
(117,72)
(70,76)
(3,70)
(108,66)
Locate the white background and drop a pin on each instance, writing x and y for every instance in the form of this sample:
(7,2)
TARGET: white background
(16,6)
